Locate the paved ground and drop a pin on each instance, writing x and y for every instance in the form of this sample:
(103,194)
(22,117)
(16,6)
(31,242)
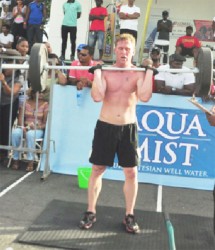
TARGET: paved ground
(25,201)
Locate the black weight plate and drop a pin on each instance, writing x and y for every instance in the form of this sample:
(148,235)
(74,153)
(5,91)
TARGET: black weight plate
(37,73)
(204,77)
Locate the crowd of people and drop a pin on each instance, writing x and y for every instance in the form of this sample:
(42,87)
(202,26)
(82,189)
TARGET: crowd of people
(28,117)
(22,18)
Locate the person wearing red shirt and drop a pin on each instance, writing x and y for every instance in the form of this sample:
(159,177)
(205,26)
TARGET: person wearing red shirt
(97,27)
(80,78)
(188,45)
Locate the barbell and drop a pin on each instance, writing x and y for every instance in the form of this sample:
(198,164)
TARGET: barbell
(38,69)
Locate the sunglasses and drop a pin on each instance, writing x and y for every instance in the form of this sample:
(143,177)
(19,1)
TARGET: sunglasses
(82,54)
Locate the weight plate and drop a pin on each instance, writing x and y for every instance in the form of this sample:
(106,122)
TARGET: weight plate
(37,73)
(205,66)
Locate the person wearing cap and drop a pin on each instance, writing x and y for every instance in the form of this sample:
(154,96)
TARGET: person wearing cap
(175,83)
(154,62)
(97,27)
(72,11)
(188,45)
(164,28)
(129,15)
(80,78)
(155,57)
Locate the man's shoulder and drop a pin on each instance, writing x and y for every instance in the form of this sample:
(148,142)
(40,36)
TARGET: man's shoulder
(166,66)
(77,3)
(136,7)
(75,63)
(99,9)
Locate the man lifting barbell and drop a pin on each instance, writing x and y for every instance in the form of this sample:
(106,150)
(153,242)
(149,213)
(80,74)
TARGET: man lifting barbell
(116,128)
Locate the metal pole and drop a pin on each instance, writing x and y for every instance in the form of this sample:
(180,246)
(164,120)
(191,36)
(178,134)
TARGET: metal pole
(148,10)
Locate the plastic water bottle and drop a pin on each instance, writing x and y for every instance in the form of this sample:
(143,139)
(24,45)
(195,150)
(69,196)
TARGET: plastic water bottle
(79,97)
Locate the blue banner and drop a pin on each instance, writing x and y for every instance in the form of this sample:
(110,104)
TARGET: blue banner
(176,143)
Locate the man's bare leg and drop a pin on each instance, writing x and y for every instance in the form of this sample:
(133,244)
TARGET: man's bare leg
(94,189)
(130,191)
(95,186)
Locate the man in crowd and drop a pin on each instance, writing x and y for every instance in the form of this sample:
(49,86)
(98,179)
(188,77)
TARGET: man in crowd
(80,78)
(175,83)
(116,129)
(129,15)
(6,39)
(72,11)
(164,27)
(35,18)
(188,45)
(155,55)
(154,62)
(97,27)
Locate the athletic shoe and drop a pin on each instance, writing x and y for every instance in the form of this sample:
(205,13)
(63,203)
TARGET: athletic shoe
(88,220)
(131,225)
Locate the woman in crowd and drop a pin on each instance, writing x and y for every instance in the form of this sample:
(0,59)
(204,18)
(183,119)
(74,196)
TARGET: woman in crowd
(22,47)
(9,94)
(19,14)
(31,126)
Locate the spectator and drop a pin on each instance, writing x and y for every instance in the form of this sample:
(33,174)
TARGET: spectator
(80,78)
(155,57)
(211,118)
(164,27)
(6,39)
(129,15)
(175,84)
(35,18)
(6,14)
(7,93)
(72,11)
(154,62)
(97,27)
(23,48)
(33,128)
(188,45)
(19,15)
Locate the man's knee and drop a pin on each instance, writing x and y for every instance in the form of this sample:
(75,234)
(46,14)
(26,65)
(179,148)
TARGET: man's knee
(97,170)
(130,173)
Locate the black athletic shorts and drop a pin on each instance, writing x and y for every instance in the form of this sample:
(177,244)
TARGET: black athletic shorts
(112,139)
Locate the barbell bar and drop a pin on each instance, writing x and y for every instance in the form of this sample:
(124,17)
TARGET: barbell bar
(38,69)
(105,68)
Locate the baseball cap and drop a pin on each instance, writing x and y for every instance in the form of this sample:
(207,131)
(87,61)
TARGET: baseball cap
(80,46)
(177,57)
(155,49)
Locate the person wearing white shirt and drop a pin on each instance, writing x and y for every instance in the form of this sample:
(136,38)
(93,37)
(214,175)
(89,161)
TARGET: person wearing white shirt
(6,39)
(129,15)
(175,83)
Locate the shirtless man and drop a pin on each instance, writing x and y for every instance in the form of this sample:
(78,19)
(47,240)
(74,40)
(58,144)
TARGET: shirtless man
(116,129)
